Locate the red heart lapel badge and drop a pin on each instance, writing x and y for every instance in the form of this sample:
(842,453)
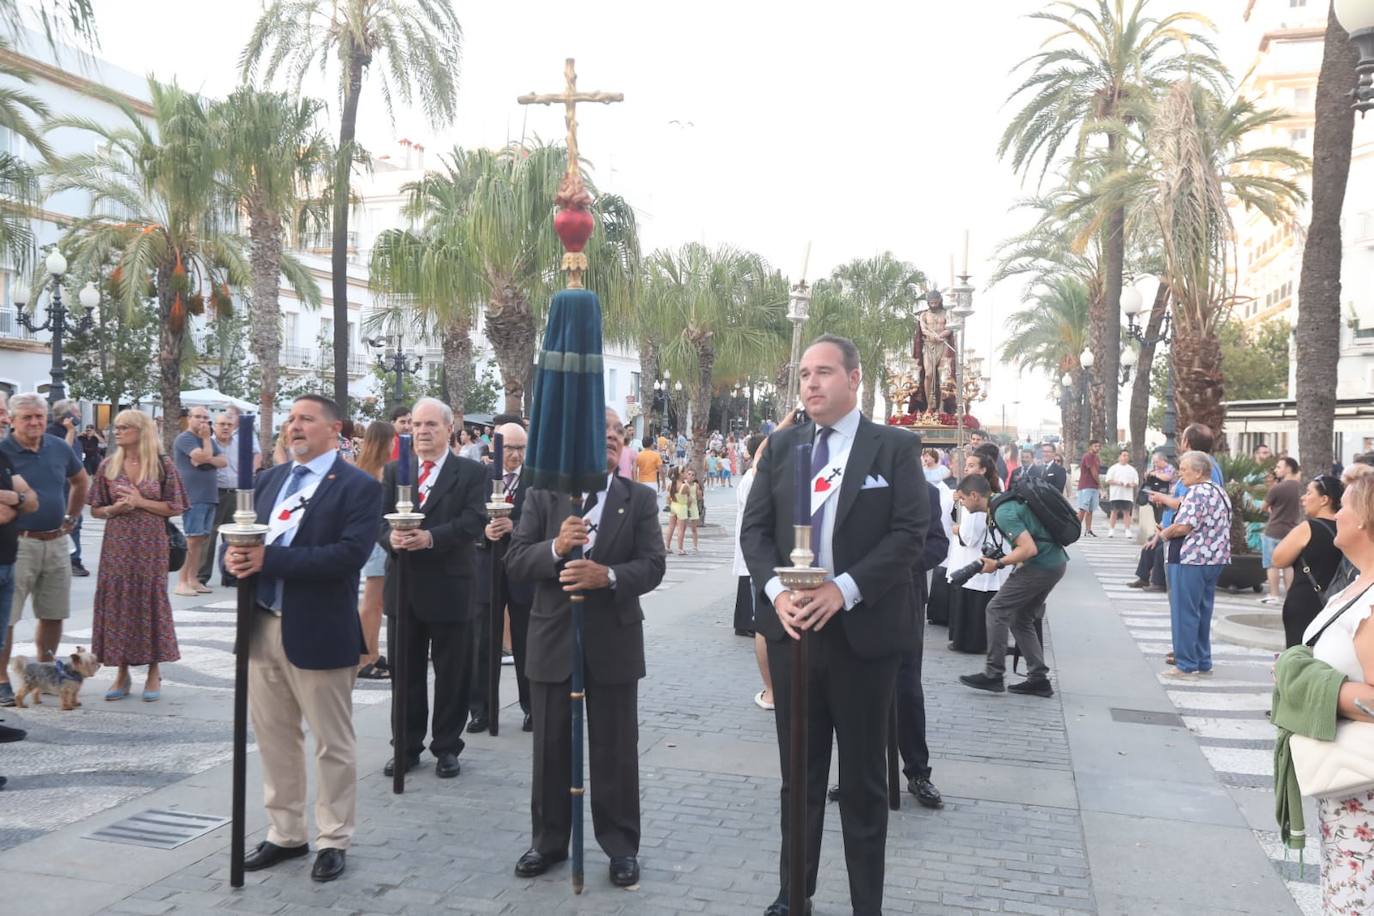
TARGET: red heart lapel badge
(822,485)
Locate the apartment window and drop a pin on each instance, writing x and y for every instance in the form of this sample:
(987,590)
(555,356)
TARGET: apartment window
(611,385)
(1302,97)
(1294,4)
(1297,135)
(634,384)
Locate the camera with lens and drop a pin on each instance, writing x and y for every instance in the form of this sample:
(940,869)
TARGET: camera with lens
(960,576)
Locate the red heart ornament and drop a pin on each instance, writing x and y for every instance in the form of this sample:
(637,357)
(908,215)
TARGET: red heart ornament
(822,485)
(285,515)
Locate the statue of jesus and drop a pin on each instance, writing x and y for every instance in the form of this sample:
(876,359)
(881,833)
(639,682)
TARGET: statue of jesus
(933,350)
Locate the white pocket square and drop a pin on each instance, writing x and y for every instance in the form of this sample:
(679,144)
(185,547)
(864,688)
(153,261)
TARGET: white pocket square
(874,483)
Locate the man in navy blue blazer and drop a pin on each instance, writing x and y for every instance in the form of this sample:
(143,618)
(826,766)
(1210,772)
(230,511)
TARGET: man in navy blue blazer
(322,516)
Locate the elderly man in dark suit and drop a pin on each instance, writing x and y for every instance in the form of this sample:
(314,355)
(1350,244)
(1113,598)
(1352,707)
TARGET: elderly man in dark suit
(321,514)
(519,594)
(451,493)
(624,559)
(869,514)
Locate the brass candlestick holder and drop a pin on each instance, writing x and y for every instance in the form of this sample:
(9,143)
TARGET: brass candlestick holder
(243,532)
(497,508)
(800,575)
(403,519)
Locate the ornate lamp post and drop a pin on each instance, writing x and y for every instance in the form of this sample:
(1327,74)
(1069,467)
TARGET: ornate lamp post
(395,361)
(58,321)
(798,307)
(1357,18)
(963,308)
(1133,304)
(1086,360)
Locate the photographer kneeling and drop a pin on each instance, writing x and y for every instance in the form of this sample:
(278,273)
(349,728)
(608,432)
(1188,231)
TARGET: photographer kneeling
(1039,565)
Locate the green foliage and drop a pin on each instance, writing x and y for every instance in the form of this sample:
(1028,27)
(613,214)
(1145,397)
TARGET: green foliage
(480,394)
(221,361)
(1254,361)
(1244,478)
(109,363)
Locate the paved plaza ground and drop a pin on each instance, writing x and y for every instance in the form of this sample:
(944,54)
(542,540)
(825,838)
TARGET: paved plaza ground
(1116,796)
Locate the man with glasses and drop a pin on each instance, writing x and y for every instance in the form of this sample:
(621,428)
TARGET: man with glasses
(226,480)
(519,593)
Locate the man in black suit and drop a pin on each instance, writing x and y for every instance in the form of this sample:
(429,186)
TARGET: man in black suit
(451,493)
(519,594)
(869,513)
(624,559)
(911,698)
(321,514)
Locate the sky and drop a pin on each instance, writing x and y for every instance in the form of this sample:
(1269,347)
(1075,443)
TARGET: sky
(851,128)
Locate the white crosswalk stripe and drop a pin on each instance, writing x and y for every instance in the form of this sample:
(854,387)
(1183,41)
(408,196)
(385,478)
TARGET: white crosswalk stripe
(1227,712)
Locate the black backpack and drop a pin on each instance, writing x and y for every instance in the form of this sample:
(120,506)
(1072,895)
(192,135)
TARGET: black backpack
(1046,503)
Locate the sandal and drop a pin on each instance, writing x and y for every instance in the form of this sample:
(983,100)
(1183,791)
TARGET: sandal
(760,702)
(1169,659)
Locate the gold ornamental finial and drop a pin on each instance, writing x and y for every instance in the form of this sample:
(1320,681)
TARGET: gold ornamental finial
(574,223)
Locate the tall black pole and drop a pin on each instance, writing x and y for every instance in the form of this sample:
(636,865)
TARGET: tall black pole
(57,317)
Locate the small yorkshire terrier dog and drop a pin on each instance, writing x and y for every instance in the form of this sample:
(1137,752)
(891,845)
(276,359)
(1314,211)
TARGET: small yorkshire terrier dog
(59,678)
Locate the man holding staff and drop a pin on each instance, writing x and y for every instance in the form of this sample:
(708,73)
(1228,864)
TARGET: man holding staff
(869,513)
(321,514)
(623,552)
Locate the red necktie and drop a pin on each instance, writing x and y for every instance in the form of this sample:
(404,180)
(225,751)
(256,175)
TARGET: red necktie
(425,468)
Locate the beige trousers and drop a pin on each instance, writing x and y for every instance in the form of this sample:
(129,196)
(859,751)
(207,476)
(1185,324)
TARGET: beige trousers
(279,695)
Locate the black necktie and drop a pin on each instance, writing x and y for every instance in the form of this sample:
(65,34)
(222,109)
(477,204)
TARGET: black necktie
(820,457)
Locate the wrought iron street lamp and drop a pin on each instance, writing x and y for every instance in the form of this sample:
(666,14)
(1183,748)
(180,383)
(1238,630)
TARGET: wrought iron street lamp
(798,308)
(59,323)
(395,361)
(1086,359)
(1133,305)
(1357,18)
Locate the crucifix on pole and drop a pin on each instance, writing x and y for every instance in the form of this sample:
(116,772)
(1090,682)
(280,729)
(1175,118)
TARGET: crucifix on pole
(573,223)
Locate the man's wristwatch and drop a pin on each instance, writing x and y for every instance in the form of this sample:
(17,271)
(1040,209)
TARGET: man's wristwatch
(1001,564)
(610,574)
(20,498)
(69,520)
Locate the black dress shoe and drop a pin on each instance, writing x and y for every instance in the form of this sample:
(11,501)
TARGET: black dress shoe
(11,734)
(80,571)
(981,681)
(3,780)
(329,864)
(925,792)
(447,766)
(1138,583)
(390,768)
(833,794)
(1034,686)
(268,854)
(478,724)
(528,724)
(534,862)
(624,871)
(779,908)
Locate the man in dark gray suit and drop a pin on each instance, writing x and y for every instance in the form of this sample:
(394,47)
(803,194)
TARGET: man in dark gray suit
(869,514)
(624,559)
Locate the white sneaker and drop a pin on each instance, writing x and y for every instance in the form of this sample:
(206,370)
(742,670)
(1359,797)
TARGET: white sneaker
(1111,532)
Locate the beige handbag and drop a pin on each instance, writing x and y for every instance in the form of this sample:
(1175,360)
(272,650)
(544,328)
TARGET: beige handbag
(1335,769)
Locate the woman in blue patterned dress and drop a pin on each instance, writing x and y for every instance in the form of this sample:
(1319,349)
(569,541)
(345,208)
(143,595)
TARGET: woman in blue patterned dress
(135,491)
(1199,545)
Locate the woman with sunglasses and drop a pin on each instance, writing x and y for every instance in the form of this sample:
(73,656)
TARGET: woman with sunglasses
(1311,550)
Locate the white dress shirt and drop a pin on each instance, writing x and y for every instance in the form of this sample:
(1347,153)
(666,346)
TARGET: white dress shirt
(842,434)
(593,520)
(422,489)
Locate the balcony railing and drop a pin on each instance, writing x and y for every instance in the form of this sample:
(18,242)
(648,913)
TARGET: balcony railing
(323,240)
(10,326)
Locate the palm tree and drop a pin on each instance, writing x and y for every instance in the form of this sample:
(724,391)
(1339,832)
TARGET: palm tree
(19,110)
(1105,60)
(495,210)
(1319,286)
(1049,335)
(718,313)
(158,214)
(272,156)
(881,295)
(416,46)
(1198,165)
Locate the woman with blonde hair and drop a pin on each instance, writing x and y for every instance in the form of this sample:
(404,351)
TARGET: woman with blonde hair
(136,489)
(1341,637)
(372,458)
(685,496)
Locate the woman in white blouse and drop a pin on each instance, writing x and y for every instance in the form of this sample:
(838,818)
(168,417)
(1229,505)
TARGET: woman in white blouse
(1347,644)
